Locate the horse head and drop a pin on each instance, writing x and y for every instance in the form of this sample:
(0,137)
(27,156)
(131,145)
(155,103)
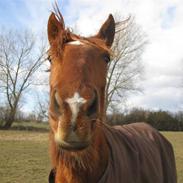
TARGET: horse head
(77,81)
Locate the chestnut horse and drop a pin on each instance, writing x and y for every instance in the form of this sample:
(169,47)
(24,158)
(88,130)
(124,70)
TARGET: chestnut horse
(83,148)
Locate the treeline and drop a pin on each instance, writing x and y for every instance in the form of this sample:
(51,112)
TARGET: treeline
(161,120)
(21,116)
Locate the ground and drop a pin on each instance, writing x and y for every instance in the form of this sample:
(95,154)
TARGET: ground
(24,156)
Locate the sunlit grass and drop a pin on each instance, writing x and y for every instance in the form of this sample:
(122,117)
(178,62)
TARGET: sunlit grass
(24,157)
(176,138)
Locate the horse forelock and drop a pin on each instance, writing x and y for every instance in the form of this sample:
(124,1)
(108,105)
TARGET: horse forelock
(57,48)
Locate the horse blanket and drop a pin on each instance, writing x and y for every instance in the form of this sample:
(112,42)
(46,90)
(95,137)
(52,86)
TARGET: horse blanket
(139,154)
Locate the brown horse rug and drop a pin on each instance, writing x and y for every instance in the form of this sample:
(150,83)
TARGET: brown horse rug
(139,154)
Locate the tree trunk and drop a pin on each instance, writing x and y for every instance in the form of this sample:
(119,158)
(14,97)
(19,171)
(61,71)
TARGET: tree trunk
(9,119)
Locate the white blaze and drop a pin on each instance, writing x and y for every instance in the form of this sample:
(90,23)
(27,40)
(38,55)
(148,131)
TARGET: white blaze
(76,42)
(75,102)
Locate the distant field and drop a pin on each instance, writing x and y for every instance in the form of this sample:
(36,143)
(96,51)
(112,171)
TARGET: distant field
(24,156)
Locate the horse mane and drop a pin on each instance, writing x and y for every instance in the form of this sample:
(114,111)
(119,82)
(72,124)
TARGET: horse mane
(58,14)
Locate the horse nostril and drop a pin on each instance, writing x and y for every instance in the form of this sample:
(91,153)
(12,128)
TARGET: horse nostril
(73,127)
(92,108)
(56,100)
(56,103)
(93,124)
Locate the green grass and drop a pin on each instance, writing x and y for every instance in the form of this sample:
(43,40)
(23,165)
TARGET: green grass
(176,138)
(24,156)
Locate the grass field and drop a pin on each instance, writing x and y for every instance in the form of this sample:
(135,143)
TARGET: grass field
(24,156)
(176,138)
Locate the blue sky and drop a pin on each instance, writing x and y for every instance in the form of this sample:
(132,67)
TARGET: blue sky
(32,14)
(160,19)
(168,17)
(14,13)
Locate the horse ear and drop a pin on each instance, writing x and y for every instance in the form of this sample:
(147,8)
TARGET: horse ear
(107,31)
(54,28)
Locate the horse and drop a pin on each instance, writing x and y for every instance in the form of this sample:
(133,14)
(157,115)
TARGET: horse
(83,148)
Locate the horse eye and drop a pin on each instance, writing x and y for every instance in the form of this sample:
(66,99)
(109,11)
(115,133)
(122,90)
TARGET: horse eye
(49,59)
(107,58)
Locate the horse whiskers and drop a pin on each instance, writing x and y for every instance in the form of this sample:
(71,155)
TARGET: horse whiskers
(82,160)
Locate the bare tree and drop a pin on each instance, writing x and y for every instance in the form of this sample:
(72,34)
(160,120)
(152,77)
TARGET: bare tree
(125,67)
(20,57)
(41,110)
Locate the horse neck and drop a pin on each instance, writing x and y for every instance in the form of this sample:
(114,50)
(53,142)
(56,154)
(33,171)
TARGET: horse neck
(81,167)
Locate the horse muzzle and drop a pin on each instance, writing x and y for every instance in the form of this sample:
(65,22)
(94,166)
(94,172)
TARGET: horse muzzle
(71,141)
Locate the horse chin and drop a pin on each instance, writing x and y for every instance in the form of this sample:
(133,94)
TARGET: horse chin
(74,146)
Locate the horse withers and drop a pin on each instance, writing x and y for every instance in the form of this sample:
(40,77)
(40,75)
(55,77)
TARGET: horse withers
(83,148)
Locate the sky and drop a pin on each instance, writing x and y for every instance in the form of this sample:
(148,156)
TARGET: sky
(161,20)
